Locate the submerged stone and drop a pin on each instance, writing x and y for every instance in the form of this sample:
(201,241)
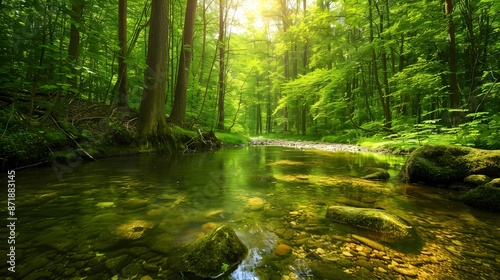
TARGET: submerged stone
(483,197)
(215,253)
(105,204)
(378,175)
(368,218)
(444,165)
(255,203)
(117,263)
(282,249)
(133,229)
(368,242)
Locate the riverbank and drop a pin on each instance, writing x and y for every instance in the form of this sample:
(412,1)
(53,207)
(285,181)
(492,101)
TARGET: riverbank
(325,146)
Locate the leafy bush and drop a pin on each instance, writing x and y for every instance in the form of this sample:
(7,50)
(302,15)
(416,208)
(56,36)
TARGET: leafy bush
(349,136)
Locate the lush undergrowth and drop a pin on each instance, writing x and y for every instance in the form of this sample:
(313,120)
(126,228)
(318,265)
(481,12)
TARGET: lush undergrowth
(231,139)
(85,131)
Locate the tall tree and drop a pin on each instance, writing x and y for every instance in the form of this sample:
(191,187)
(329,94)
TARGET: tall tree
(286,59)
(74,41)
(203,43)
(178,113)
(453,65)
(221,88)
(386,104)
(151,124)
(122,64)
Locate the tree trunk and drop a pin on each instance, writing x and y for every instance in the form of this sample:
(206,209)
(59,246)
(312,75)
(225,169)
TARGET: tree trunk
(453,66)
(304,114)
(122,65)
(258,116)
(386,104)
(178,113)
(203,44)
(286,57)
(74,40)
(287,77)
(375,68)
(268,112)
(221,85)
(151,123)
(405,99)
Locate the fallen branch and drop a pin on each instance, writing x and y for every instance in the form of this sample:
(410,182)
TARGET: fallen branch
(71,137)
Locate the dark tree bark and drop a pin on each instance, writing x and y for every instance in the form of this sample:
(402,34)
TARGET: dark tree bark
(151,124)
(453,65)
(178,113)
(122,65)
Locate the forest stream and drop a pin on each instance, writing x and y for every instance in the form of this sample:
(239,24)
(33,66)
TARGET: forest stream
(119,218)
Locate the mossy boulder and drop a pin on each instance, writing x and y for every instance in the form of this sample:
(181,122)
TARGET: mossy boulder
(444,165)
(483,197)
(494,183)
(214,254)
(372,219)
(477,179)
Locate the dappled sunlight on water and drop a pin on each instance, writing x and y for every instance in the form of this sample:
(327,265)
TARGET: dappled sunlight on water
(125,217)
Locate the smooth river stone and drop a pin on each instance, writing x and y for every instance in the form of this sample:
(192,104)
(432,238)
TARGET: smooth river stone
(368,218)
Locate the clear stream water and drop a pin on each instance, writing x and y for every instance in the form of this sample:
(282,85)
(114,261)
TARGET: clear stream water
(121,218)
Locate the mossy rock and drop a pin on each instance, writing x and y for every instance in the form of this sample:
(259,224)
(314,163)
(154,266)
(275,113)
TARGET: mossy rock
(214,254)
(444,165)
(494,183)
(372,219)
(477,179)
(379,175)
(483,197)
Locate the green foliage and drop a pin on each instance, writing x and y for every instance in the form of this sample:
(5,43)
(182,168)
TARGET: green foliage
(306,71)
(482,131)
(347,137)
(232,138)
(179,132)
(25,145)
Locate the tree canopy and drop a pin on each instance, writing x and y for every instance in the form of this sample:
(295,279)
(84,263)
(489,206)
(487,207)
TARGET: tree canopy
(342,69)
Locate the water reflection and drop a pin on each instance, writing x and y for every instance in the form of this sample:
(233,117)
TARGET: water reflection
(135,210)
